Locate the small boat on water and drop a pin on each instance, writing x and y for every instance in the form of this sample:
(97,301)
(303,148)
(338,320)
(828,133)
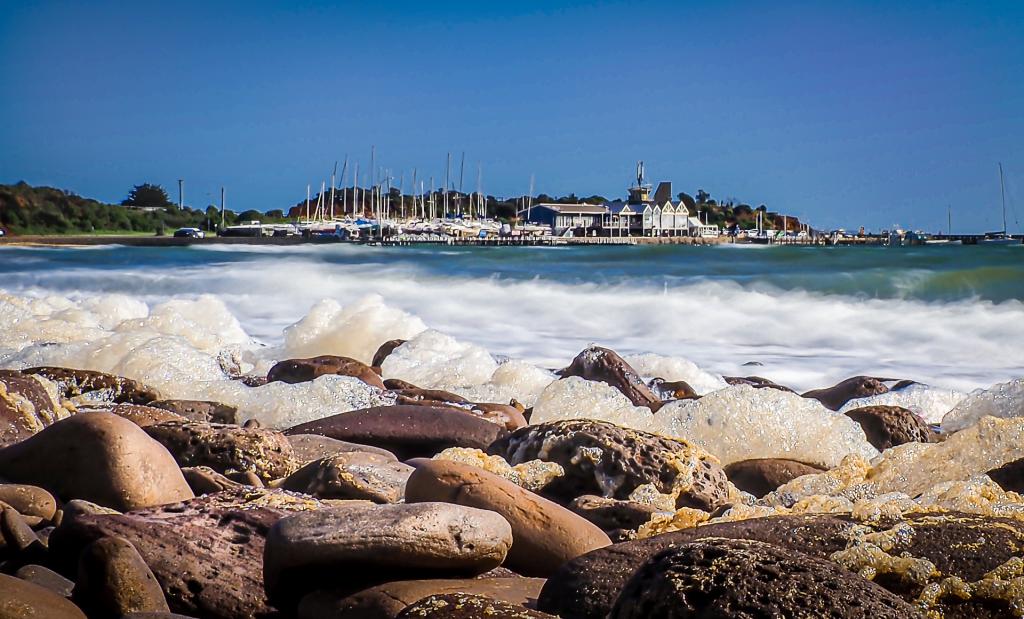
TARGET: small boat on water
(1000,238)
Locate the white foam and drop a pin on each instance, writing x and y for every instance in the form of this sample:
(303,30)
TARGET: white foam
(671,369)
(1001,400)
(930,403)
(741,422)
(511,380)
(578,398)
(433,360)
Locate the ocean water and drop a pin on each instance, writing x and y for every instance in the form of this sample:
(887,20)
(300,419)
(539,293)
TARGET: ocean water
(952,317)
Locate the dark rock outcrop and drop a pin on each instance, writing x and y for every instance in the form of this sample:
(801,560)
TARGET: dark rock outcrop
(764,475)
(303,370)
(227,448)
(26,407)
(888,426)
(837,395)
(98,385)
(606,366)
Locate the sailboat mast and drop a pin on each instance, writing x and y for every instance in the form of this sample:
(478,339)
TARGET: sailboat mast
(462,173)
(447,176)
(949,220)
(1002,196)
(334,173)
(307,202)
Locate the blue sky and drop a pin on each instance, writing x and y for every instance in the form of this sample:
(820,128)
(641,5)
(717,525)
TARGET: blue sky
(866,113)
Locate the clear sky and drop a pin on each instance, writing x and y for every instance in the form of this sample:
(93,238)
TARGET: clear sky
(845,113)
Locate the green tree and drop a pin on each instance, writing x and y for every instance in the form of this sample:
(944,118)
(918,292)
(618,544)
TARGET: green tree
(147,194)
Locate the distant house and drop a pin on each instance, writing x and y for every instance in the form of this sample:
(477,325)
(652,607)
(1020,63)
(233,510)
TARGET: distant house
(562,217)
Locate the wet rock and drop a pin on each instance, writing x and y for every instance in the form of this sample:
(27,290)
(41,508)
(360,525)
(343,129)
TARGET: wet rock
(962,545)
(757,382)
(722,578)
(199,410)
(19,536)
(353,475)
(98,457)
(837,395)
(303,370)
(99,386)
(888,426)
(29,500)
(226,448)
(673,390)
(397,384)
(612,461)
(545,534)
(309,447)
(415,395)
(360,545)
(384,350)
(46,578)
(113,580)
(764,475)
(26,406)
(619,519)
(20,599)
(406,431)
(505,415)
(606,366)
(78,507)
(204,480)
(207,553)
(466,606)
(139,414)
(388,600)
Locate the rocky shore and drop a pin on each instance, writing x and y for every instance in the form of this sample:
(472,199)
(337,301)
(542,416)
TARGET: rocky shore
(612,494)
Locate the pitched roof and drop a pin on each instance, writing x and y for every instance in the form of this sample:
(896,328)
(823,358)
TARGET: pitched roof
(574,209)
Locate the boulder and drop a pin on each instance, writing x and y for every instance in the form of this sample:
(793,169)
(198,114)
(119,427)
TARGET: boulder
(545,534)
(114,580)
(352,475)
(408,394)
(26,406)
(207,553)
(46,578)
(757,382)
(384,350)
(619,519)
(225,448)
(204,480)
(764,475)
(139,414)
(29,500)
(99,386)
(98,457)
(606,366)
(21,599)
(604,459)
(388,600)
(303,370)
(837,395)
(406,431)
(726,578)
(466,606)
(199,410)
(360,545)
(309,447)
(888,426)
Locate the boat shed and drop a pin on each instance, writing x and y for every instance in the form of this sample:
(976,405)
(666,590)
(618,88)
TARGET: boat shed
(563,217)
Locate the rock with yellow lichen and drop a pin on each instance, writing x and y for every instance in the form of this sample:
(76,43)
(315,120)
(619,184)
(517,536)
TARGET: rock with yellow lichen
(532,475)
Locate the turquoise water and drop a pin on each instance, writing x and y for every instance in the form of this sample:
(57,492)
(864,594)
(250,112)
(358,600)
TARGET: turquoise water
(951,315)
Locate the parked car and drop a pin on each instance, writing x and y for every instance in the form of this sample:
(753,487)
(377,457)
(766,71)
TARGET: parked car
(192,233)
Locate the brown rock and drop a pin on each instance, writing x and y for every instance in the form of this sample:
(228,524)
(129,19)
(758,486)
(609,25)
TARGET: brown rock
(388,600)
(199,410)
(619,519)
(303,370)
(18,535)
(764,475)
(226,448)
(207,553)
(1009,476)
(113,580)
(505,415)
(98,457)
(606,366)
(757,382)
(406,431)
(139,414)
(415,395)
(309,447)
(26,406)
(888,426)
(385,349)
(20,599)
(545,534)
(29,500)
(46,578)
(466,606)
(609,460)
(204,480)
(99,386)
(673,390)
(353,475)
(837,395)
(397,384)
(369,544)
(725,578)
